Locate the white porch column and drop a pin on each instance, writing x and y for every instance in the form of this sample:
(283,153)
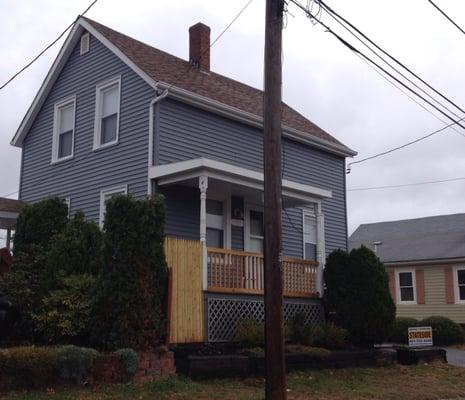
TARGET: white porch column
(203,186)
(320,248)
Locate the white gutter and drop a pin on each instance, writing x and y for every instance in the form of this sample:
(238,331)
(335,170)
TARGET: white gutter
(154,101)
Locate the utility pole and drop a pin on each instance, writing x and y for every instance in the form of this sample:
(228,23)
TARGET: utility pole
(274,335)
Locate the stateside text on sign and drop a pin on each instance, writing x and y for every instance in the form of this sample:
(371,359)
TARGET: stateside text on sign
(420,336)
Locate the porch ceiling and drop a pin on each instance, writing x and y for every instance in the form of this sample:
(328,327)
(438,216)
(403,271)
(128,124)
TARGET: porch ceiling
(235,179)
(9,210)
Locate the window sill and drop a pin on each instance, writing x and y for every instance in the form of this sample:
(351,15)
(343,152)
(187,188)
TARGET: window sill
(61,160)
(407,303)
(105,146)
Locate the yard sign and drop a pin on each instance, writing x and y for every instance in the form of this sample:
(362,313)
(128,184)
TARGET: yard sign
(420,336)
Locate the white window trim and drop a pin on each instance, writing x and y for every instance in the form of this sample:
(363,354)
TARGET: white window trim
(414,283)
(98,109)
(55,143)
(312,214)
(105,192)
(85,38)
(247,208)
(67,201)
(456,284)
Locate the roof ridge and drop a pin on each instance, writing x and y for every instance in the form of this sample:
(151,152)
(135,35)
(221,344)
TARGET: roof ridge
(412,219)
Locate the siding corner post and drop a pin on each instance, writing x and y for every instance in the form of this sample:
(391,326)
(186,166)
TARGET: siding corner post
(203,186)
(320,248)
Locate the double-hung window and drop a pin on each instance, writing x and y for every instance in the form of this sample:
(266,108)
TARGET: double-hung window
(107,194)
(256,231)
(460,287)
(309,235)
(406,287)
(107,109)
(215,223)
(63,129)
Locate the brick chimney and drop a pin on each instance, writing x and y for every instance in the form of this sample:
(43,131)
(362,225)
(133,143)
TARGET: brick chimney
(199,46)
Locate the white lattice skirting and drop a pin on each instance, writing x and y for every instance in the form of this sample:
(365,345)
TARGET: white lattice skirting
(224,311)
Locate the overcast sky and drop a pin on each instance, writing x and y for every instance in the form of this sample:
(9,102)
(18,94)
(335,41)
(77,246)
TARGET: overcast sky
(322,79)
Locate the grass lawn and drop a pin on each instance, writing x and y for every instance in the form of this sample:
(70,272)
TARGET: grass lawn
(437,381)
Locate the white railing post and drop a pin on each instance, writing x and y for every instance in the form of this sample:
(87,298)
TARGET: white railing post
(203,186)
(320,249)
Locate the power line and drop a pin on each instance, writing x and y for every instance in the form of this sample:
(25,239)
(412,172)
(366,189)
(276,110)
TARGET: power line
(449,18)
(359,53)
(48,47)
(334,14)
(406,184)
(10,194)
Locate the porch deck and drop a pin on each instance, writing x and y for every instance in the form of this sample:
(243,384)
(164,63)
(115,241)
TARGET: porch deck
(242,272)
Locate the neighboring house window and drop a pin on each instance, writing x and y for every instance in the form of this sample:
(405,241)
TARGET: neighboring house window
(256,231)
(460,276)
(106,195)
(107,106)
(85,43)
(309,235)
(406,287)
(215,223)
(63,129)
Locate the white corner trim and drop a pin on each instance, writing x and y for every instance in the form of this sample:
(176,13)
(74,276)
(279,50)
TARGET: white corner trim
(55,140)
(175,172)
(104,192)
(414,283)
(99,89)
(456,284)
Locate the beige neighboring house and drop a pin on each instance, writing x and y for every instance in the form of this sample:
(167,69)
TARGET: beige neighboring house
(425,260)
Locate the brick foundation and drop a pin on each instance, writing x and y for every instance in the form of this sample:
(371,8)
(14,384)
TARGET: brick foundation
(154,366)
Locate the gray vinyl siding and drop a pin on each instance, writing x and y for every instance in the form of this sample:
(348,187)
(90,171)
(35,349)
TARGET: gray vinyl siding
(184,132)
(83,177)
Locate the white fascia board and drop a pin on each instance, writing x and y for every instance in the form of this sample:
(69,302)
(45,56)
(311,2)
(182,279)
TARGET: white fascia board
(217,107)
(9,214)
(183,170)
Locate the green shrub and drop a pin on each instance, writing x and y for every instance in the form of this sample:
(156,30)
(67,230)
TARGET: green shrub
(76,362)
(37,223)
(65,313)
(77,249)
(130,360)
(130,307)
(30,366)
(298,331)
(250,332)
(399,331)
(329,336)
(316,352)
(357,295)
(24,286)
(445,331)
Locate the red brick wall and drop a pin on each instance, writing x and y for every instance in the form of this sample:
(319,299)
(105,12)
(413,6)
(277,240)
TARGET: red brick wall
(153,366)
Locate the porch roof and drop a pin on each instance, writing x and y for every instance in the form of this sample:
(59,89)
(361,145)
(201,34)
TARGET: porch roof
(9,211)
(183,171)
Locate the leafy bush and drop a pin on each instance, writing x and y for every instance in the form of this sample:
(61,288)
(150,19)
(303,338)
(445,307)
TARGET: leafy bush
(130,309)
(329,336)
(399,331)
(77,249)
(316,352)
(24,286)
(298,331)
(357,295)
(37,223)
(75,362)
(250,332)
(445,331)
(30,366)
(130,360)
(66,312)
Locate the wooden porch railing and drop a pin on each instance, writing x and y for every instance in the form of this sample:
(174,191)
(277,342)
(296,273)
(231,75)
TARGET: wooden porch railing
(234,271)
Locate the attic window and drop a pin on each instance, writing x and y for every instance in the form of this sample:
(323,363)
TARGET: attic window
(85,41)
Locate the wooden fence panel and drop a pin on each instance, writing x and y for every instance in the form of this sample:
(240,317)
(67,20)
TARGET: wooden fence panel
(186,319)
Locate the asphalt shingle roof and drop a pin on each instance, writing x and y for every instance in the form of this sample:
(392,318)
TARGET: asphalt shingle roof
(429,238)
(173,70)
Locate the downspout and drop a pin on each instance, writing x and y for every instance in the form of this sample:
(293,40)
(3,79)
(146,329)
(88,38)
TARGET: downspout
(154,101)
